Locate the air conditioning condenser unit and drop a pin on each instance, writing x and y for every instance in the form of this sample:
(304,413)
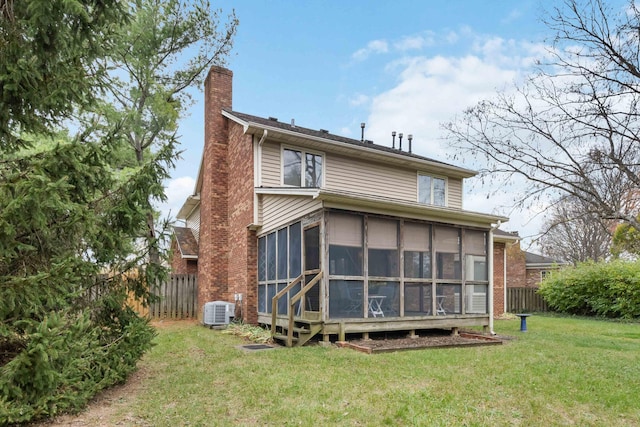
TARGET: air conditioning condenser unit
(218,313)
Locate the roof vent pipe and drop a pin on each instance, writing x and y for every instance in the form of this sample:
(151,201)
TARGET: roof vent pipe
(393,134)
(410,138)
(293,123)
(400,145)
(362,135)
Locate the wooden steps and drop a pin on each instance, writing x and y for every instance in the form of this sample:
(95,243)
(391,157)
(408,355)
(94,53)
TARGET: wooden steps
(303,331)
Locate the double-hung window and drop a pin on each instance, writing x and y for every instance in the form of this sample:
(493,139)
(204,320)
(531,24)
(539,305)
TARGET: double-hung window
(431,190)
(301,169)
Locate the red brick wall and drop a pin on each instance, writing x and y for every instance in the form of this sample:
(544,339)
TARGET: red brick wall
(242,241)
(516,266)
(227,261)
(214,217)
(180,265)
(534,277)
(498,278)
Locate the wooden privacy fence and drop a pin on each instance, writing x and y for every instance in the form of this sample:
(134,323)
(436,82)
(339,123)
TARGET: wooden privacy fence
(520,300)
(178,298)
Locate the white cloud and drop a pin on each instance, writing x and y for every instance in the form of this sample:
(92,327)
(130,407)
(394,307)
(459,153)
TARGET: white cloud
(431,91)
(413,43)
(358,100)
(512,16)
(374,46)
(346,131)
(434,90)
(177,191)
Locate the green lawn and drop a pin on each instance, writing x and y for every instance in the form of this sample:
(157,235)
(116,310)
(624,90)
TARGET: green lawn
(563,371)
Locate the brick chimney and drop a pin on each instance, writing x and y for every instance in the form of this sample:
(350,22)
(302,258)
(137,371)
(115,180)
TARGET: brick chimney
(214,210)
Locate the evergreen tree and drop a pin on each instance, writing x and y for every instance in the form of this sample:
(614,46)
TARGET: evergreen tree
(72,207)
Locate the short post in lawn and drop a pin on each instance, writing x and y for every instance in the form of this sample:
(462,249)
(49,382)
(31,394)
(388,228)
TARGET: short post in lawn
(523,321)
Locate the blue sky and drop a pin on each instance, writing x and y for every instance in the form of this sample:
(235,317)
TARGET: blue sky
(401,65)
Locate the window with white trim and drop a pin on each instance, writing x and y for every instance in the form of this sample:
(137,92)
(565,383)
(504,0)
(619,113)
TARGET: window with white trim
(431,190)
(302,169)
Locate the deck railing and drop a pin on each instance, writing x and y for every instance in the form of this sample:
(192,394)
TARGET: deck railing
(297,298)
(276,298)
(292,303)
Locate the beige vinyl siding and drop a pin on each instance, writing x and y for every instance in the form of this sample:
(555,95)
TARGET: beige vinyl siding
(354,175)
(271,164)
(350,174)
(454,193)
(260,206)
(280,210)
(193,222)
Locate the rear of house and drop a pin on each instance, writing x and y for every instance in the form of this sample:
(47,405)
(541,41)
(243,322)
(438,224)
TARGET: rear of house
(322,234)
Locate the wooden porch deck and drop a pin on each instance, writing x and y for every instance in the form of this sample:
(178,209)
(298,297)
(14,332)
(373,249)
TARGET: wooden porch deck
(341,327)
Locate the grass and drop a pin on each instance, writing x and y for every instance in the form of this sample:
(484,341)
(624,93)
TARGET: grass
(563,371)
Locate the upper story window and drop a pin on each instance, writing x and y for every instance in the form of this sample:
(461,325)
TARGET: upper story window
(431,190)
(301,169)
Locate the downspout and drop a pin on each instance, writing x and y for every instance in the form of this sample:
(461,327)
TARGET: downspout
(504,279)
(258,174)
(491,277)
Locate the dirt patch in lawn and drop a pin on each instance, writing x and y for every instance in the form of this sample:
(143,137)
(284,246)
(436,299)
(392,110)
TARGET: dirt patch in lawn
(106,408)
(428,339)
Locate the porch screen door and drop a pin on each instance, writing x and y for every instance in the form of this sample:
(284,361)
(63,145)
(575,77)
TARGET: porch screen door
(311,263)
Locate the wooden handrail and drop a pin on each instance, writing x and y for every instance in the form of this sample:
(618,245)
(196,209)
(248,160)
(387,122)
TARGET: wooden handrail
(292,303)
(274,302)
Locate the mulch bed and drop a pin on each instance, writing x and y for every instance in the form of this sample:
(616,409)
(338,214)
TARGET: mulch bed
(429,339)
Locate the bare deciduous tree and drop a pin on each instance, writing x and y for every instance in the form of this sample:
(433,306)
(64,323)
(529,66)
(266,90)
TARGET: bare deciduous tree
(575,234)
(572,129)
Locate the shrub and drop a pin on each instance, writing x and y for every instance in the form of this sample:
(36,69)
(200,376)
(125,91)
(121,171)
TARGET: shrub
(610,289)
(56,364)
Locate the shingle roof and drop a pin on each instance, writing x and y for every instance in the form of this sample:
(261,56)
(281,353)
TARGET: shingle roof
(498,232)
(271,122)
(187,242)
(531,258)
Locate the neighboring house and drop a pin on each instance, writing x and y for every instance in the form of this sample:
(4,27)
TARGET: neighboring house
(538,267)
(185,250)
(524,269)
(357,237)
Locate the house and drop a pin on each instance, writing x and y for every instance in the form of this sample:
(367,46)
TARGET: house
(521,269)
(524,269)
(322,234)
(537,268)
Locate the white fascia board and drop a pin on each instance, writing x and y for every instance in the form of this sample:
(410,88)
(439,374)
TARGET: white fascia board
(412,209)
(505,239)
(288,191)
(188,207)
(542,265)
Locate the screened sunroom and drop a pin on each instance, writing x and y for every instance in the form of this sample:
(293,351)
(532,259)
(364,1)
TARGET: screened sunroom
(360,272)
